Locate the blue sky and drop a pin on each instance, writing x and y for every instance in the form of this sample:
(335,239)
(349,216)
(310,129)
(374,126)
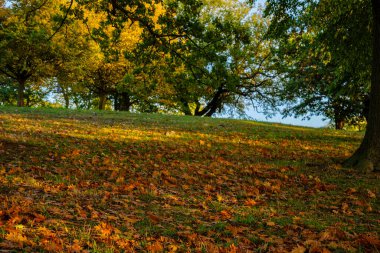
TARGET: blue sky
(314,121)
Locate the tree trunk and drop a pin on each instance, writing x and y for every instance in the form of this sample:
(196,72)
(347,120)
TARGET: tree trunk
(102,101)
(339,124)
(21,92)
(125,102)
(116,103)
(67,100)
(367,157)
(214,104)
(338,115)
(339,120)
(185,107)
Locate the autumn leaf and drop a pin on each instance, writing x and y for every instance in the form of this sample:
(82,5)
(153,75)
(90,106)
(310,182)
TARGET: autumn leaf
(172,248)
(225,214)
(75,247)
(250,202)
(153,218)
(17,237)
(104,230)
(155,247)
(299,249)
(75,152)
(371,194)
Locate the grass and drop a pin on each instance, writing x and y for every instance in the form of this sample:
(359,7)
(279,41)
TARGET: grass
(90,181)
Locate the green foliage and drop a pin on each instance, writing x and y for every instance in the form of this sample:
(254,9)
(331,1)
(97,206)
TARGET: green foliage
(324,56)
(209,56)
(28,53)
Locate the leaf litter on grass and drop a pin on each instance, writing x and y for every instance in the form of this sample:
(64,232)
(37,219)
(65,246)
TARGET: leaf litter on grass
(117,182)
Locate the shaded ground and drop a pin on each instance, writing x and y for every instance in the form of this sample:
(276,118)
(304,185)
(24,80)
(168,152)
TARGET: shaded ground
(114,182)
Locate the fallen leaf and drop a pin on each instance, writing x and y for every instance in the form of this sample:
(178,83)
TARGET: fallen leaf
(299,249)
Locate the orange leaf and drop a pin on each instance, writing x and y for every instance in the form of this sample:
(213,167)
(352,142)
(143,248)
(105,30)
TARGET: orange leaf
(75,152)
(155,247)
(250,202)
(39,217)
(75,247)
(299,249)
(17,237)
(225,214)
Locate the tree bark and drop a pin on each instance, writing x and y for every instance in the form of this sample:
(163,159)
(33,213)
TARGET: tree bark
(367,157)
(116,103)
(125,102)
(339,124)
(214,104)
(102,101)
(338,119)
(21,92)
(67,101)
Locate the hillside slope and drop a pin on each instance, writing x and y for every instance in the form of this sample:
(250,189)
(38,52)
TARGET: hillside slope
(112,182)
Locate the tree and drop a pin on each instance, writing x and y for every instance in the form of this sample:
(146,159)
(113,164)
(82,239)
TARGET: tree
(107,68)
(27,50)
(312,81)
(213,55)
(225,64)
(349,40)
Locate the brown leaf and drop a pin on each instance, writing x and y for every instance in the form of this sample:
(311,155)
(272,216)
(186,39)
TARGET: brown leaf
(371,194)
(153,218)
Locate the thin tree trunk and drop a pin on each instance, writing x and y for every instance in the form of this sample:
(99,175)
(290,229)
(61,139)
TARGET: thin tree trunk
(339,124)
(67,100)
(21,92)
(367,157)
(339,121)
(102,101)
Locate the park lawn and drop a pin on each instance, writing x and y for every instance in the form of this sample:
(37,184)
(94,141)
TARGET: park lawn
(89,181)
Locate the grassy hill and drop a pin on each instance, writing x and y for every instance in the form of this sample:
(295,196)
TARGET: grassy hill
(77,181)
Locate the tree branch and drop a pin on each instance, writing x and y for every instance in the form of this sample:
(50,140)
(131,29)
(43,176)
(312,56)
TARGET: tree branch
(63,20)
